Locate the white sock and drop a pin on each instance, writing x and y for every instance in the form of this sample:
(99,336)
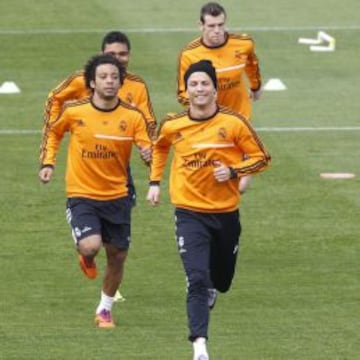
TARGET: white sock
(199,346)
(106,303)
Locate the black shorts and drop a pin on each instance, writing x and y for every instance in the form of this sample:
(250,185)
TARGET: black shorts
(109,218)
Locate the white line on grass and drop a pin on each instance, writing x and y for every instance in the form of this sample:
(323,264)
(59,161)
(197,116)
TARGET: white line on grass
(304,129)
(19,131)
(176,30)
(260,129)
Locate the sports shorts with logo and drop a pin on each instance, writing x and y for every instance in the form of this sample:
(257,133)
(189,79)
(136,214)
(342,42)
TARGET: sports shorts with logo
(109,218)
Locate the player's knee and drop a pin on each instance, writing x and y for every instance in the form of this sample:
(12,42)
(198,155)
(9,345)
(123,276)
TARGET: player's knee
(116,258)
(198,280)
(89,246)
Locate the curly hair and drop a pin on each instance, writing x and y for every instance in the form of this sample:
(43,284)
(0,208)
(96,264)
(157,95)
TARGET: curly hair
(95,61)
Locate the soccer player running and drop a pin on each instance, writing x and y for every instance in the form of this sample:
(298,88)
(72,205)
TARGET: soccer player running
(234,58)
(208,143)
(133,91)
(102,131)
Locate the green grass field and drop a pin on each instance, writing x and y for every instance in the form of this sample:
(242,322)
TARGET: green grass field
(296,294)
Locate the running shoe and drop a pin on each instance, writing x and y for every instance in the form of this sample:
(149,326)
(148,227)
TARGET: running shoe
(212,298)
(118,297)
(89,268)
(104,320)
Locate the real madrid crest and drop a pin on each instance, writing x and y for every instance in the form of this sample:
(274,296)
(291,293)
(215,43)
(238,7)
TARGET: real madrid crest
(239,55)
(222,133)
(123,125)
(129,98)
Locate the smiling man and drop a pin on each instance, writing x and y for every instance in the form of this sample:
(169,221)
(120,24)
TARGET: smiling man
(102,132)
(208,144)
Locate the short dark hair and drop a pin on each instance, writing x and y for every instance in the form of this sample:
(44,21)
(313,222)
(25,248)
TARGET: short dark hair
(115,37)
(205,66)
(95,61)
(211,8)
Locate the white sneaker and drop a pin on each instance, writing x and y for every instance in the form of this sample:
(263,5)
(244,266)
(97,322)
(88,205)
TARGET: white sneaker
(212,298)
(118,297)
(200,352)
(202,357)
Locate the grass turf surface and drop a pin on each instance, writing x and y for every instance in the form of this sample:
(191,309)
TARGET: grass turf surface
(296,292)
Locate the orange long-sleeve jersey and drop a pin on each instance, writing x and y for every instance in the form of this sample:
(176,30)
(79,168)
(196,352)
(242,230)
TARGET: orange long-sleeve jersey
(199,146)
(133,91)
(235,62)
(99,148)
